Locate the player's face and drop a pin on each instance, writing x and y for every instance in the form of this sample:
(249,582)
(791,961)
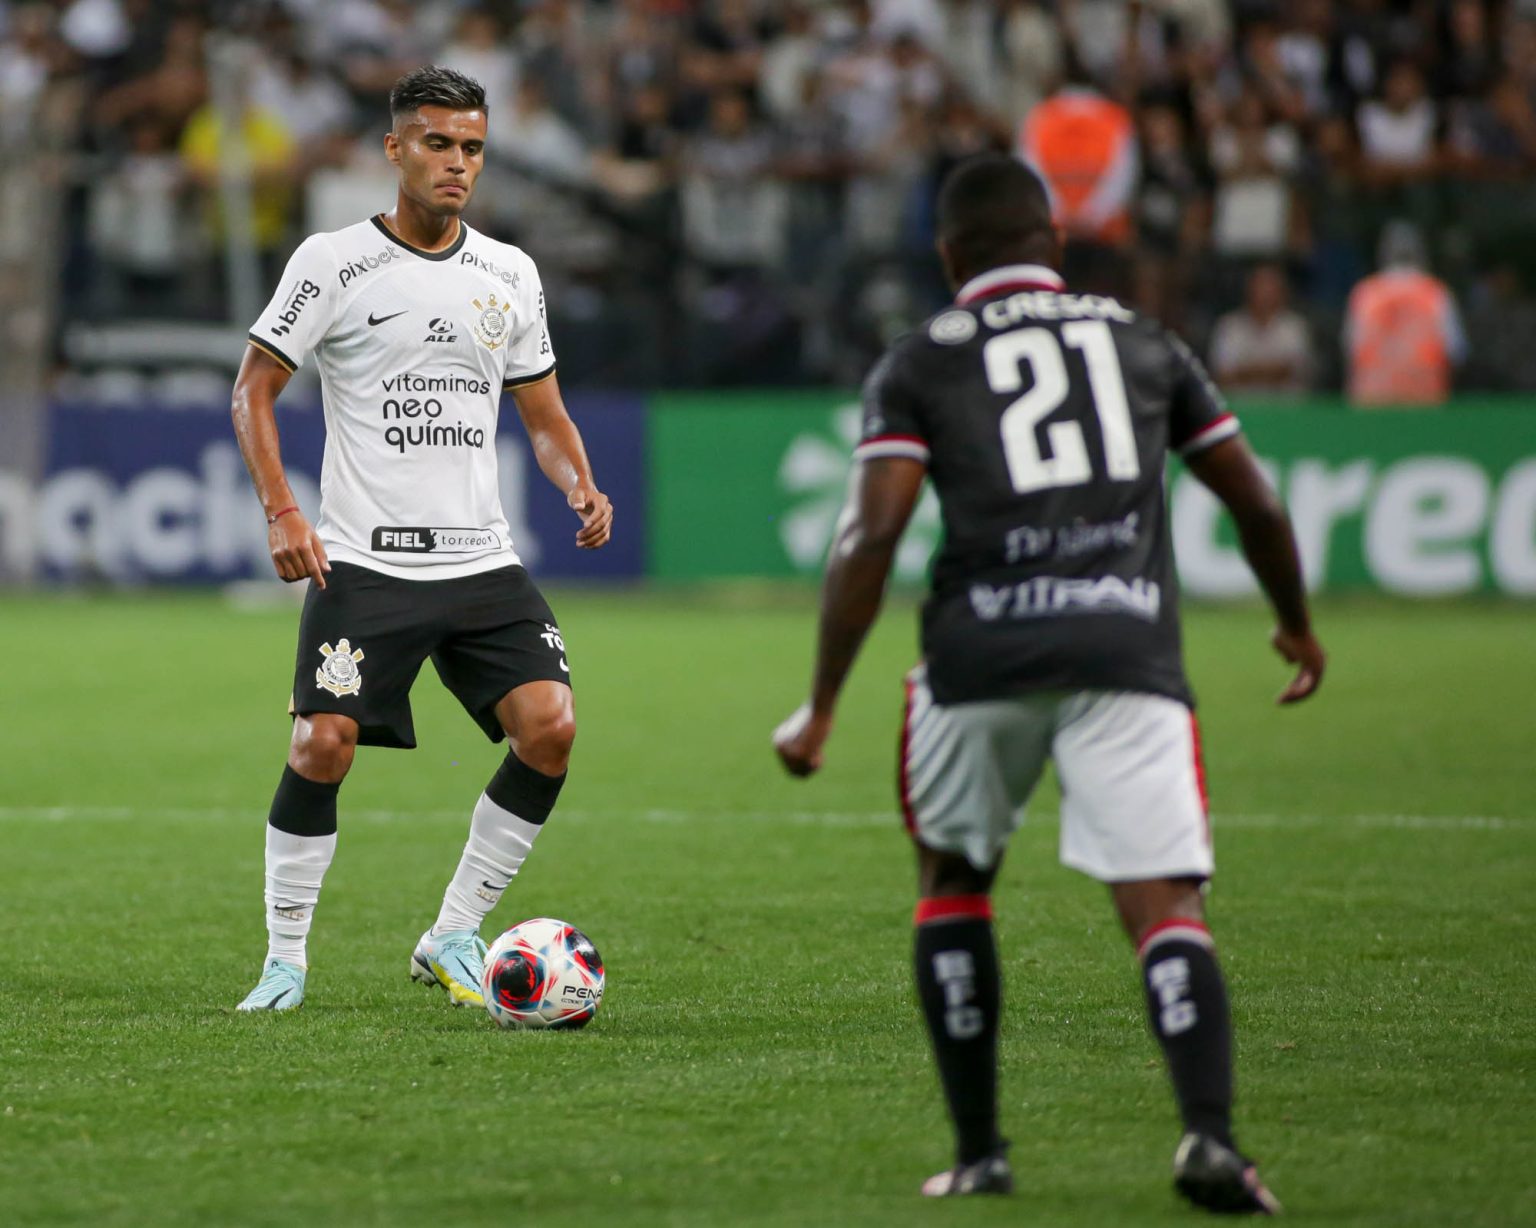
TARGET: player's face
(440,153)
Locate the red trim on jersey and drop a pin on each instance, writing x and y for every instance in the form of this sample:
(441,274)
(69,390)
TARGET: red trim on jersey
(903,781)
(1205,430)
(1194,930)
(917,439)
(1008,287)
(952,908)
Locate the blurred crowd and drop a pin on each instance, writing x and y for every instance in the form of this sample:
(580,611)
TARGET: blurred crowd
(740,191)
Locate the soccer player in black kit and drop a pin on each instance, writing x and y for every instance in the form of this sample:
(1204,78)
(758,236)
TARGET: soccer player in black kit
(1044,419)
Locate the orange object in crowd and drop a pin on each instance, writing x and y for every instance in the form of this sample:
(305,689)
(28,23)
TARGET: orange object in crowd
(1403,333)
(1084,146)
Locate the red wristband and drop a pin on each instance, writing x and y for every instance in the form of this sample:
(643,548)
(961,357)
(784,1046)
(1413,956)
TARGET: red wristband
(273,518)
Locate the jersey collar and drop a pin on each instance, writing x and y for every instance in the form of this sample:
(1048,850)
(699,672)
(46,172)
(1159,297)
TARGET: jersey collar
(1008,278)
(446,254)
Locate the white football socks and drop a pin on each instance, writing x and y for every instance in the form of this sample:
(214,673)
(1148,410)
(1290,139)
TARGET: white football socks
(498,844)
(296,866)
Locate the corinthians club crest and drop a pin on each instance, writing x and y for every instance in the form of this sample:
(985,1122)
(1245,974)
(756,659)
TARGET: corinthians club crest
(340,675)
(491,323)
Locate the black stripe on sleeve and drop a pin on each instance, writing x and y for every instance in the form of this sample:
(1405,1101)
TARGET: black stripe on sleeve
(522,381)
(266,347)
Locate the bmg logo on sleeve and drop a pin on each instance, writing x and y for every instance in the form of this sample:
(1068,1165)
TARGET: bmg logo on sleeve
(412,540)
(303,293)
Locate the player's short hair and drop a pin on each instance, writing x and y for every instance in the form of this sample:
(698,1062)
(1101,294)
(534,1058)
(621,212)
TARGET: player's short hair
(992,207)
(432,85)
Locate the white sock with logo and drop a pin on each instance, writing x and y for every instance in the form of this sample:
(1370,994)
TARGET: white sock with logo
(296,866)
(498,844)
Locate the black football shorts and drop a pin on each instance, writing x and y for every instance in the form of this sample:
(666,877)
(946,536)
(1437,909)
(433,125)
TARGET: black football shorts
(363,637)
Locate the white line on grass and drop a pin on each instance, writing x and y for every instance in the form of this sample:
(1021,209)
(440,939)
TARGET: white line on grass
(834,818)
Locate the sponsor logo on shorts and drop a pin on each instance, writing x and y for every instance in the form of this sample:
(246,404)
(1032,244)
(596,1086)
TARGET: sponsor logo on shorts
(423,540)
(340,675)
(1045,596)
(303,293)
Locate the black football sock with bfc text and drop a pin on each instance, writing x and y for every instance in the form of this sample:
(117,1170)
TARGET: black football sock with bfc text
(1187,1002)
(960,988)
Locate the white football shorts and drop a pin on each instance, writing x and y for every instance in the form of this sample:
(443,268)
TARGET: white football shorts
(1132,785)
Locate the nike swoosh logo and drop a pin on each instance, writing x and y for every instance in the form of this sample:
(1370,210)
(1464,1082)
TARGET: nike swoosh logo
(493,886)
(377,320)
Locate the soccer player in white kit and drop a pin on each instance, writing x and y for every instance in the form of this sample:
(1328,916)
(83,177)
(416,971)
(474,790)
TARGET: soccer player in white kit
(417,324)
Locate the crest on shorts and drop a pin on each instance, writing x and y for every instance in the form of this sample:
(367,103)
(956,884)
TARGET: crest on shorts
(340,675)
(491,324)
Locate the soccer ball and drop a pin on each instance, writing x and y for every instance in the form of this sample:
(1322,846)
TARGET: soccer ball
(542,974)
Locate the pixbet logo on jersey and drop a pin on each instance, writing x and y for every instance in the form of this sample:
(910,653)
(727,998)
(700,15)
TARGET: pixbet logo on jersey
(304,293)
(508,278)
(356,268)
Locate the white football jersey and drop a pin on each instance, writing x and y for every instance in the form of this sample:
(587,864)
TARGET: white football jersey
(414,349)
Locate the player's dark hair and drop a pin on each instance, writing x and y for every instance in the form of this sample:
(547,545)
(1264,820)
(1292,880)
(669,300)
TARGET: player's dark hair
(994,210)
(431,85)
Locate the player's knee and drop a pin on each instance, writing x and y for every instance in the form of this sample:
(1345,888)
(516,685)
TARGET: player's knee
(545,744)
(323,750)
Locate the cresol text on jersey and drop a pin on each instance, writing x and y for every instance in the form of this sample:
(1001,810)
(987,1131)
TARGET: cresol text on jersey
(413,422)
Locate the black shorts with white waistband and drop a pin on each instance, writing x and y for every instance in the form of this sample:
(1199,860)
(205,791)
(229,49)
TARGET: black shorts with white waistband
(363,638)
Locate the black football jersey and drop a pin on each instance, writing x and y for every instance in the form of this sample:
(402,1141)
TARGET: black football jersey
(1045,419)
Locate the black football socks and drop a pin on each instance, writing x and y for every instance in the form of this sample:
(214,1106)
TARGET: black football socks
(1187,1002)
(960,988)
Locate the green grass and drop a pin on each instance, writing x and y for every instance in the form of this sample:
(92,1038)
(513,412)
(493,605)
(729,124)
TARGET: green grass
(758,1059)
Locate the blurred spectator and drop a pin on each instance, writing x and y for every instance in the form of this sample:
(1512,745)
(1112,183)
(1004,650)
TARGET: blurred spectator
(1033,56)
(479,49)
(1257,214)
(137,222)
(1502,316)
(1399,132)
(1172,213)
(1263,347)
(267,149)
(1403,332)
(1084,146)
(733,211)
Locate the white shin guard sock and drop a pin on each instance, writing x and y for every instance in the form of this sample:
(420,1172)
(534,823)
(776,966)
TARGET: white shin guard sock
(498,844)
(296,866)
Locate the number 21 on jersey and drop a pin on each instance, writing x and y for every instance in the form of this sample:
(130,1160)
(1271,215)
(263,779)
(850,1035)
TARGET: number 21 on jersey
(1005,357)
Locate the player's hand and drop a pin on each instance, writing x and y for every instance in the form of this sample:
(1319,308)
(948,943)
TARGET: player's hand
(799,740)
(296,549)
(596,515)
(1304,652)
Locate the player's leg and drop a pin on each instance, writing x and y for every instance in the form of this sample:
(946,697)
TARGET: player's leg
(959,988)
(965,773)
(1187,1006)
(360,647)
(509,670)
(301,841)
(1133,816)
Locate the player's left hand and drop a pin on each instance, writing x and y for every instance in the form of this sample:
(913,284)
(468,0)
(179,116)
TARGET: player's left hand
(800,738)
(596,515)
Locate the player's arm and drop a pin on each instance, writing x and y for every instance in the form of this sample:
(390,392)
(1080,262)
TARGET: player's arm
(558,448)
(1233,475)
(882,493)
(295,546)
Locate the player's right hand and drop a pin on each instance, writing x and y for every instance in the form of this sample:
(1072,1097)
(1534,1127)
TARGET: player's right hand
(799,740)
(1303,651)
(296,549)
